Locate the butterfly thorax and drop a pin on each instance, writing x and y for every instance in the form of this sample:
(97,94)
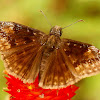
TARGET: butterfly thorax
(54,37)
(56,30)
(53,42)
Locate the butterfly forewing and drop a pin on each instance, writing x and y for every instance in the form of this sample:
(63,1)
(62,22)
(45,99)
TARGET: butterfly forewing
(21,50)
(84,59)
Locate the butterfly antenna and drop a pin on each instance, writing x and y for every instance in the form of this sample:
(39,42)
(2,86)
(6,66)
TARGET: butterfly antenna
(46,18)
(74,23)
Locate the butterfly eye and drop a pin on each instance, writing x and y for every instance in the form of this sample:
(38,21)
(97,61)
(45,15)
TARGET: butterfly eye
(60,32)
(51,30)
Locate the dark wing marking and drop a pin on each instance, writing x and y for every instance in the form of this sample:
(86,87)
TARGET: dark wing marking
(21,50)
(83,59)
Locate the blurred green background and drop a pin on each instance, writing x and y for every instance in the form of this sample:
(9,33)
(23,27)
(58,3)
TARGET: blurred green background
(62,13)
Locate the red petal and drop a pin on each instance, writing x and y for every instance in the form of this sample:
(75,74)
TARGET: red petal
(20,91)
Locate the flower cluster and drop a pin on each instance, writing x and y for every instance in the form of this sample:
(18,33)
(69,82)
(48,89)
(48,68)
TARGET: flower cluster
(20,91)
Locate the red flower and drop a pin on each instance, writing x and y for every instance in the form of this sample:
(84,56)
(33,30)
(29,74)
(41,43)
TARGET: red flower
(20,91)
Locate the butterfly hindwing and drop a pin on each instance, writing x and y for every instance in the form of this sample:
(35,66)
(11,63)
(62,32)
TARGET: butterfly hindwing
(21,50)
(56,74)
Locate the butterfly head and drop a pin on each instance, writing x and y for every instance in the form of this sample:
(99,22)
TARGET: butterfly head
(56,30)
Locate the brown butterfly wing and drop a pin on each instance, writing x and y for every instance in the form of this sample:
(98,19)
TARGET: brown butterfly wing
(68,64)
(21,50)
(84,59)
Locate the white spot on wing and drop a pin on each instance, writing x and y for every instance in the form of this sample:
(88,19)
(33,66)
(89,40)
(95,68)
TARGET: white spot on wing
(68,44)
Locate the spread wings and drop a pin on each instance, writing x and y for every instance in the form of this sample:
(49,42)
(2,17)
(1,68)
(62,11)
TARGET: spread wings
(21,50)
(27,52)
(69,64)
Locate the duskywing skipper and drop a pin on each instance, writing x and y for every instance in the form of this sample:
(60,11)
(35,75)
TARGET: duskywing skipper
(27,52)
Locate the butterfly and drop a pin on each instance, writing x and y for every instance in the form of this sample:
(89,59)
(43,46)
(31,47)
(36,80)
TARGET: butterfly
(28,52)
